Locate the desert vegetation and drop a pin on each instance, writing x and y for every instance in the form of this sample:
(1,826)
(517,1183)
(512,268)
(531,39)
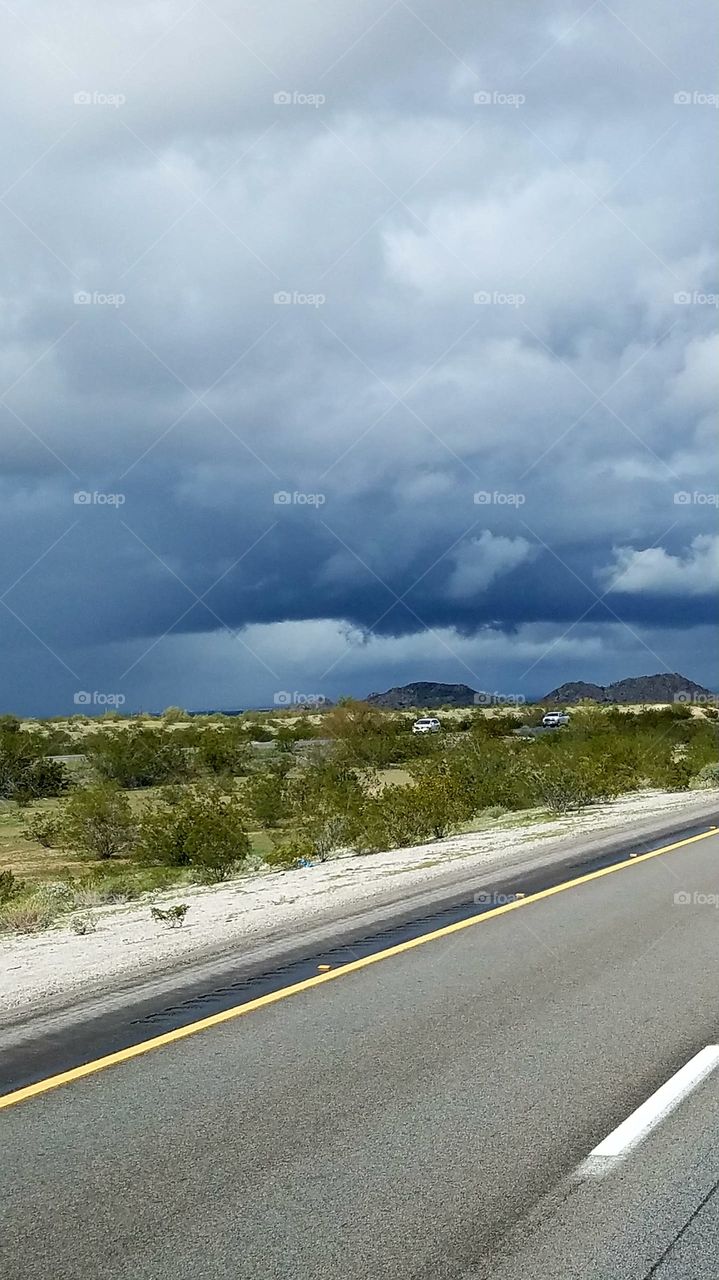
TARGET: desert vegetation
(105,811)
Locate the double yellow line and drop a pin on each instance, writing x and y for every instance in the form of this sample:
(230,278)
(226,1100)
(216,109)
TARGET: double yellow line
(216,1019)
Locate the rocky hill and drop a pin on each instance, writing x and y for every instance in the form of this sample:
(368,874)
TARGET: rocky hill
(426,693)
(659,688)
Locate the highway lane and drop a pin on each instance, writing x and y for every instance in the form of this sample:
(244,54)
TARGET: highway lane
(421,1117)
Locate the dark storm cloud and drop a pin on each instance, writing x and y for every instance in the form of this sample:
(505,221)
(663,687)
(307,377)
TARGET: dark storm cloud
(489,396)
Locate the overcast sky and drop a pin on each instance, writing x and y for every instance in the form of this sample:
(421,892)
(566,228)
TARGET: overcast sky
(347,344)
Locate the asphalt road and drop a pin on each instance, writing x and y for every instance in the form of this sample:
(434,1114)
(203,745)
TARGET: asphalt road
(424,1116)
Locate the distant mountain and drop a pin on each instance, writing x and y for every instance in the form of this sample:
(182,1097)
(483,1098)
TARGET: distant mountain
(659,688)
(427,693)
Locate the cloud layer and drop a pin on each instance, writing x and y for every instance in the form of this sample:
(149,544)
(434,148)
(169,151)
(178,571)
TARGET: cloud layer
(372,321)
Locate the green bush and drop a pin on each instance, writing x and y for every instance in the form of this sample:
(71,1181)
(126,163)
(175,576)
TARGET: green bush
(562,790)
(97,821)
(54,895)
(289,854)
(25,772)
(324,800)
(266,797)
(138,757)
(44,828)
(10,886)
(399,817)
(708,776)
(219,751)
(200,829)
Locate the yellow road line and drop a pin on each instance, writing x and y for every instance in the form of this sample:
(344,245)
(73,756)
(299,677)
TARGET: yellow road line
(215,1019)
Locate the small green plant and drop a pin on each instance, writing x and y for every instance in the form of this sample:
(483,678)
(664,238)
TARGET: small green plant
(83,924)
(173,917)
(10,886)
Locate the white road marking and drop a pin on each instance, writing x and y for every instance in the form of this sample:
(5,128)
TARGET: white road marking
(635,1128)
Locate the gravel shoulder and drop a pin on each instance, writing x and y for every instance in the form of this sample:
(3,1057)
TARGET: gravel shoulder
(45,972)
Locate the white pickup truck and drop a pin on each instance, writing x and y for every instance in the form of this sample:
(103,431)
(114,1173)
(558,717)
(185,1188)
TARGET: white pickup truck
(554,719)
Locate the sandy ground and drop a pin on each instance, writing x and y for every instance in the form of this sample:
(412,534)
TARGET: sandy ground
(58,964)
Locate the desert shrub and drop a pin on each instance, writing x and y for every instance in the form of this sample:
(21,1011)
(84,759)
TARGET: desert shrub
(25,916)
(137,757)
(290,853)
(203,829)
(173,917)
(266,797)
(10,886)
(324,801)
(289,734)
(221,752)
(672,775)
(365,735)
(391,820)
(562,790)
(702,747)
(25,772)
(708,776)
(83,923)
(174,715)
(488,772)
(97,821)
(255,731)
(442,801)
(44,828)
(54,895)
(108,886)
